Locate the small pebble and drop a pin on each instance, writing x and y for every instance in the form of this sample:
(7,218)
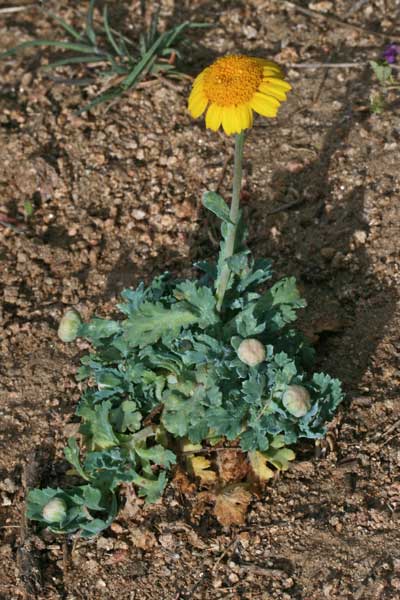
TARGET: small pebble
(138,214)
(233,578)
(250,32)
(360,237)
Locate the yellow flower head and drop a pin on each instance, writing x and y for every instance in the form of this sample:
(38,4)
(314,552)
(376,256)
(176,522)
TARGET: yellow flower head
(232,87)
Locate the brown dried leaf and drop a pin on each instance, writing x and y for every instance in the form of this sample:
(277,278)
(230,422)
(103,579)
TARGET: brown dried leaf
(231,505)
(232,465)
(142,538)
(202,502)
(133,504)
(182,483)
(195,541)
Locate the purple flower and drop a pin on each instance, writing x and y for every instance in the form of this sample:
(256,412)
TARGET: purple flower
(391,52)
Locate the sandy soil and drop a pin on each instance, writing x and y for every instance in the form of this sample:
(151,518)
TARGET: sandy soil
(116,200)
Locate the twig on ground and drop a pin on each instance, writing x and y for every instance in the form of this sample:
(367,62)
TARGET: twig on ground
(388,440)
(386,431)
(319,65)
(204,573)
(14,9)
(19,230)
(318,90)
(194,587)
(356,65)
(172,84)
(286,206)
(258,570)
(324,78)
(334,19)
(224,553)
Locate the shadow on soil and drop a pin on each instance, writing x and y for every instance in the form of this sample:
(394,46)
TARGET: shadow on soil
(366,306)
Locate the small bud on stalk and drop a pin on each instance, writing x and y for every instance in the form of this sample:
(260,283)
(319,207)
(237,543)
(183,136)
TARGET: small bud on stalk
(297,400)
(55,511)
(69,325)
(251,352)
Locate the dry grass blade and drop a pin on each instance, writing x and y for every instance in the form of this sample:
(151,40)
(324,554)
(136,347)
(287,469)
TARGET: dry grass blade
(152,57)
(15,9)
(75,47)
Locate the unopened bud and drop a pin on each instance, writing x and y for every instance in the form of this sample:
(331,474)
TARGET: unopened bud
(69,325)
(251,352)
(55,511)
(297,400)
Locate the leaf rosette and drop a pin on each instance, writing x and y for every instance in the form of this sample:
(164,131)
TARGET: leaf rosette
(176,368)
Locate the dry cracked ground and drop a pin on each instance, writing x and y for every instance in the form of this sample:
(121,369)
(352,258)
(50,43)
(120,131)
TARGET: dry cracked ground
(115,198)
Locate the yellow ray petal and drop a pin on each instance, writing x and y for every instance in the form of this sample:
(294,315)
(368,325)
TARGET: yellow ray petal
(245,115)
(272,90)
(214,117)
(198,85)
(271,101)
(237,119)
(273,69)
(279,83)
(264,105)
(230,121)
(269,64)
(199,77)
(197,104)
(272,65)
(251,117)
(197,94)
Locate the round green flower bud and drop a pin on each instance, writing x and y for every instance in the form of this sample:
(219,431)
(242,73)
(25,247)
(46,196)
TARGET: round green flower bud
(251,352)
(55,511)
(297,400)
(69,325)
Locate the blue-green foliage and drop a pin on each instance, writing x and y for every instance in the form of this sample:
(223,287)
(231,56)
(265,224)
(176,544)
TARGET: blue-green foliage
(170,369)
(89,509)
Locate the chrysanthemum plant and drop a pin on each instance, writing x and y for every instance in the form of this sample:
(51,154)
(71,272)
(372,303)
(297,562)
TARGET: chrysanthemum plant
(194,367)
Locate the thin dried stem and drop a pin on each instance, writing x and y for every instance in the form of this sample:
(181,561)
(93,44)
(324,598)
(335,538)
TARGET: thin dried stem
(356,65)
(334,19)
(15,9)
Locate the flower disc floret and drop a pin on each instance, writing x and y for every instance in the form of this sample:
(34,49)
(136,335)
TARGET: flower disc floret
(232,80)
(235,86)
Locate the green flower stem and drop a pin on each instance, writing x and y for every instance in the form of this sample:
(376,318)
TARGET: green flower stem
(234,217)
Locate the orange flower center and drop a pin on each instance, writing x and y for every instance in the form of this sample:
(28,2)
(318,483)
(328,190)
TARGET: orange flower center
(232,80)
